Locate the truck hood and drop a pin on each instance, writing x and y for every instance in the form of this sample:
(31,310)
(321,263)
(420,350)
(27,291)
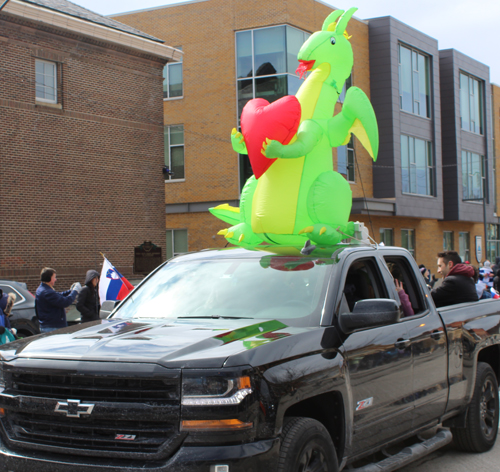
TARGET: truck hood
(198,343)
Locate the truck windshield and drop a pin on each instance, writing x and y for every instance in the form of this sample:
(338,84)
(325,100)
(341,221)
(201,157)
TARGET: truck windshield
(271,287)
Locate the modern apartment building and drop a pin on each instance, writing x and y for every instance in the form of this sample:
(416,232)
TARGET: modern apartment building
(417,193)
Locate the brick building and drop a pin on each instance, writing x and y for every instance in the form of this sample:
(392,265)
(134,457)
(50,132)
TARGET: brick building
(407,198)
(81,140)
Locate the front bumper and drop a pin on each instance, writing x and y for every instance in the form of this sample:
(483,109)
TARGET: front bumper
(251,457)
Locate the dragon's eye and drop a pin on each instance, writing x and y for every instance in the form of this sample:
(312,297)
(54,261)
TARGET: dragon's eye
(332,40)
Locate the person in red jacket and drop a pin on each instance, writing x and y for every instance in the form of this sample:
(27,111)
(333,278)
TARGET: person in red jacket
(458,284)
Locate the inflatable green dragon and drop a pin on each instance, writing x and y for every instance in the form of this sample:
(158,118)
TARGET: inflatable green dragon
(294,194)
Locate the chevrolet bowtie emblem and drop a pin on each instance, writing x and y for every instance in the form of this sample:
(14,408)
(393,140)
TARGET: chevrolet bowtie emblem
(73,408)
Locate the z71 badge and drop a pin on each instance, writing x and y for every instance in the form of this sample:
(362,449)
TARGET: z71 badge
(364,403)
(125,437)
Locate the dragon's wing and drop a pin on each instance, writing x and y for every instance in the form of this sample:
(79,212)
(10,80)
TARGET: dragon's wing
(359,112)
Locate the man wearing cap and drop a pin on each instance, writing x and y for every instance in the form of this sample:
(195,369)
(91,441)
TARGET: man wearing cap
(458,283)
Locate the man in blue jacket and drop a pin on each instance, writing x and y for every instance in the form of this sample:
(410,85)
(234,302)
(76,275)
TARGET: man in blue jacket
(50,305)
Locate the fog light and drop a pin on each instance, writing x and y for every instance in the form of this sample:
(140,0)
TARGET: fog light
(219,468)
(2,412)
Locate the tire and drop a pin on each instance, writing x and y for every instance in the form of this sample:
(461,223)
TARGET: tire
(306,446)
(481,430)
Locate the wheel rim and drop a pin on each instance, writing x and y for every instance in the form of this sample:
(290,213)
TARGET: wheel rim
(488,410)
(313,459)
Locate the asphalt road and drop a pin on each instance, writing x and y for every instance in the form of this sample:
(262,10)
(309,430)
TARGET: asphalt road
(449,459)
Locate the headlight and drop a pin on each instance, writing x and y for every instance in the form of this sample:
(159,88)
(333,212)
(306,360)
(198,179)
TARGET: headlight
(215,390)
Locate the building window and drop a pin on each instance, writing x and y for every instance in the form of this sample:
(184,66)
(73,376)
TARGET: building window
(471,104)
(447,240)
(345,161)
(386,236)
(177,242)
(46,81)
(172,79)
(473,175)
(494,182)
(493,250)
(414,82)
(464,246)
(417,166)
(345,88)
(408,240)
(266,60)
(174,151)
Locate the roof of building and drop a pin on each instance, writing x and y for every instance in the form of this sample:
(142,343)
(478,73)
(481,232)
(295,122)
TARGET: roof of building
(71,9)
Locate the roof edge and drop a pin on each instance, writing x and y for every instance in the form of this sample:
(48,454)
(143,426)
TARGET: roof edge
(94,30)
(161,7)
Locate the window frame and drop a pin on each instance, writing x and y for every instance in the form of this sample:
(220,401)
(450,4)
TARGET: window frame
(413,240)
(429,167)
(169,153)
(166,77)
(55,101)
(445,246)
(470,96)
(350,159)
(19,296)
(470,176)
(466,256)
(373,272)
(254,77)
(413,86)
(172,243)
(392,235)
(412,287)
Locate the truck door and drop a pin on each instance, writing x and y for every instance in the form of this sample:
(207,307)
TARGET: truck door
(378,362)
(428,345)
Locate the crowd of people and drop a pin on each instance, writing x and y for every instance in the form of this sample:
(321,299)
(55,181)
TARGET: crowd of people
(50,305)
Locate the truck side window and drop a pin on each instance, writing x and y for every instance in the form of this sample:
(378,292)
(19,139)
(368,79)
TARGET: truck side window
(400,269)
(363,281)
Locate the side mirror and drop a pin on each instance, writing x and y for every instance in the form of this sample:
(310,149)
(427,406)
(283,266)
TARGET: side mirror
(370,313)
(107,307)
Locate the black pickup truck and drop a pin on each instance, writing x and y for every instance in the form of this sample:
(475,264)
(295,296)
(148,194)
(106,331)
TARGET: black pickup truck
(255,360)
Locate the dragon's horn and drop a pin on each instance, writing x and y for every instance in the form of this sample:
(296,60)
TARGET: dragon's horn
(331,20)
(342,24)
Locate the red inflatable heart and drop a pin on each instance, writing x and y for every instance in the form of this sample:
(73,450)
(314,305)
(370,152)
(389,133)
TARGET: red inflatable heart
(260,120)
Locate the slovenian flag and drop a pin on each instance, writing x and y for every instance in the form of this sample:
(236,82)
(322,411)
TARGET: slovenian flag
(112,284)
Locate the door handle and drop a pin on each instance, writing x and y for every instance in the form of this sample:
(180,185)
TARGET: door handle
(436,334)
(402,343)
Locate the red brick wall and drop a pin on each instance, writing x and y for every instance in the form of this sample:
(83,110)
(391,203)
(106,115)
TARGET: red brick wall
(85,178)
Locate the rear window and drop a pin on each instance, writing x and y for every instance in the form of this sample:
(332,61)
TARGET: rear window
(273,287)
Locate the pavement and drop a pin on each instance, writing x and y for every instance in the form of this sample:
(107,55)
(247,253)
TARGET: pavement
(449,459)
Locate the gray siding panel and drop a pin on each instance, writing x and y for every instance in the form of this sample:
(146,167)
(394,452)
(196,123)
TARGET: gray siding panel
(456,139)
(385,35)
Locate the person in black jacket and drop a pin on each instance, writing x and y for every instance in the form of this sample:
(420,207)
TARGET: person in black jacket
(88,298)
(458,283)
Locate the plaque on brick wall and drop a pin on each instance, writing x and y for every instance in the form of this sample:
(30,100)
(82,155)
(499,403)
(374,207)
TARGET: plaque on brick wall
(147,257)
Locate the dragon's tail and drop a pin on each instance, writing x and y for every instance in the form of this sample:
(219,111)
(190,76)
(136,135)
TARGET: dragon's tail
(227,213)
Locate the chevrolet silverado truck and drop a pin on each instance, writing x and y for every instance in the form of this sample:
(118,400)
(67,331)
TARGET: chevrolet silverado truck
(235,360)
